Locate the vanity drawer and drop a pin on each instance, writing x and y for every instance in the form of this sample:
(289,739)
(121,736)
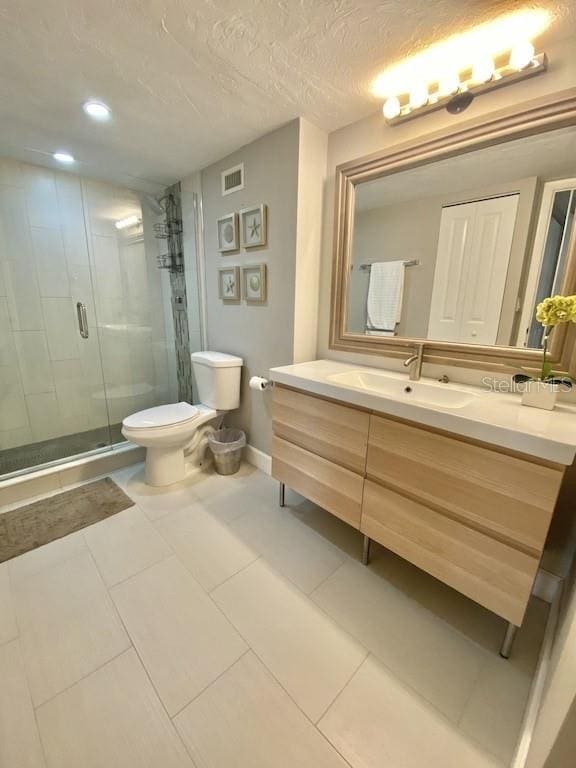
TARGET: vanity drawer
(335,432)
(505,496)
(493,574)
(334,488)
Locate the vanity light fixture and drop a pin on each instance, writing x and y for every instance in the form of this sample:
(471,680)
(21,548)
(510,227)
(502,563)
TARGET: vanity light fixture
(418,96)
(522,55)
(449,83)
(97,110)
(391,108)
(129,221)
(63,157)
(483,70)
(451,73)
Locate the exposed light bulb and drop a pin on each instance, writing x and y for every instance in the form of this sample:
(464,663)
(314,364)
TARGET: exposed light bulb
(483,70)
(391,108)
(521,55)
(129,221)
(449,83)
(63,157)
(418,95)
(97,110)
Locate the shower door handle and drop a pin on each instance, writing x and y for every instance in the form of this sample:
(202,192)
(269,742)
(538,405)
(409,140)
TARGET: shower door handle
(82,319)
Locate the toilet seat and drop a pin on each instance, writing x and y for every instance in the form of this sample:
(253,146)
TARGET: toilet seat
(162,416)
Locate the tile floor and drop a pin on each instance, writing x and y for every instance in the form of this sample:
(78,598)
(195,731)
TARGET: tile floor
(207,627)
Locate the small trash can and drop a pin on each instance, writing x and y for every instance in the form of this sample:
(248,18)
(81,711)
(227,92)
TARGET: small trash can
(226,445)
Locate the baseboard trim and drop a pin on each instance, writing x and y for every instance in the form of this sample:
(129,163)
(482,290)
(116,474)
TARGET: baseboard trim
(258,459)
(539,681)
(546,585)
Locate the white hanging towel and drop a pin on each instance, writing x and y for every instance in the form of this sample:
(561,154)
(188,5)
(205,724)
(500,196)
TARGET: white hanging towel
(385,293)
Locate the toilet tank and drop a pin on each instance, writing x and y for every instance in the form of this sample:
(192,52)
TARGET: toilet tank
(218,379)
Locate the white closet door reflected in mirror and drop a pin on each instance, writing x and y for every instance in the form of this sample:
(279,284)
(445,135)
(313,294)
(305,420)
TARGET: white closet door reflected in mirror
(471,267)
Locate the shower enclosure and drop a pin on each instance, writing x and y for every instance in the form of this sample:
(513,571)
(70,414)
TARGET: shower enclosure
(86,319)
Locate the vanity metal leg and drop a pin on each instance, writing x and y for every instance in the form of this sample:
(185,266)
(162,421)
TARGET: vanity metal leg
(282,494)
(506,647)
(366,550)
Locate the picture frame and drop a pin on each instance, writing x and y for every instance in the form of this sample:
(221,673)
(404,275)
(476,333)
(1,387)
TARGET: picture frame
(254,226)
(228,233)
(229,284)
(254,283)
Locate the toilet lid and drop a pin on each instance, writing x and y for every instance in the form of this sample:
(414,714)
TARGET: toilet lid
(161,416)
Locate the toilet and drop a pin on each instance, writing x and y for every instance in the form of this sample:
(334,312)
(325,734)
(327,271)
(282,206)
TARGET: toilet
(175,435)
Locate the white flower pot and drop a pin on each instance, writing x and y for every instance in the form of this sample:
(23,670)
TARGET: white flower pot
(539,394)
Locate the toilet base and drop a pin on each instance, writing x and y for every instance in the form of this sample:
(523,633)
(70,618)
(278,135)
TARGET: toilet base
(164,466)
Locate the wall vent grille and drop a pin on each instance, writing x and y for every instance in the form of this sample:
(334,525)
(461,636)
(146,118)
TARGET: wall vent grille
(233,179)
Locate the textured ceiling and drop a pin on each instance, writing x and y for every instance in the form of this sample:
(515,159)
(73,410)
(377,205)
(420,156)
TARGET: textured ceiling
(191,80)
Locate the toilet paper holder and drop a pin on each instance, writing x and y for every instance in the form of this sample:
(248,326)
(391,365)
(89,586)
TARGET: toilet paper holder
(260,383)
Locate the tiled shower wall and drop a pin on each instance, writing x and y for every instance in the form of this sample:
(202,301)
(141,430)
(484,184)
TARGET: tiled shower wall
(53,382)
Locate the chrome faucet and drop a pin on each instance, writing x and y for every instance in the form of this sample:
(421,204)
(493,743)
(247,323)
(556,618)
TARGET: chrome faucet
(415,363)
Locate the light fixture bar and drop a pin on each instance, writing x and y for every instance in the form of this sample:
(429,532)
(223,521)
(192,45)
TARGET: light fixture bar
(504,75)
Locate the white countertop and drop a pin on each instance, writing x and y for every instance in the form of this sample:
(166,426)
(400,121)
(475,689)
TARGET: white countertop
(491,417)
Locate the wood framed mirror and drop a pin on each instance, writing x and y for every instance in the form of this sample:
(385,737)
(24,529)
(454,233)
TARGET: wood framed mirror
(469,229)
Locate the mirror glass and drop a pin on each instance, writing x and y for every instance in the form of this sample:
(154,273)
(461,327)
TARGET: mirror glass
(463,249)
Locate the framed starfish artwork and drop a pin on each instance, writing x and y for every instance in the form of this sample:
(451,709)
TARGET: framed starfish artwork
(253,229)
(229,283)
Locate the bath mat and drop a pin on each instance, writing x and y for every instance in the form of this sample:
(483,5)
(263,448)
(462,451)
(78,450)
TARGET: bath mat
(33,525)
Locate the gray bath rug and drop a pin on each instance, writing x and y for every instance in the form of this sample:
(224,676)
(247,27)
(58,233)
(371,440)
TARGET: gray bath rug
(28,527)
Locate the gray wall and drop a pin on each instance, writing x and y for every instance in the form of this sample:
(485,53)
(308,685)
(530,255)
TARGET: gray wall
(263,335)
(395,233)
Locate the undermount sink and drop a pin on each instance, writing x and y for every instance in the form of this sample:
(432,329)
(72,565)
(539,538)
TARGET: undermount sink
(400,388)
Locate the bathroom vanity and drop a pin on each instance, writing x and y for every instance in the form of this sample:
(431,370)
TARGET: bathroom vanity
(459,481)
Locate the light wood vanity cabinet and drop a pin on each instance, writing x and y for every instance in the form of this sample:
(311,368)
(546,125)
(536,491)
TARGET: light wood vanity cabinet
(331,430)
(319,449)
(471,515)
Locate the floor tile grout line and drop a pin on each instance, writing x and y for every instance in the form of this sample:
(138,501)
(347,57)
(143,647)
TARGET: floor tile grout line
(181,560)
(341,691)
(473,687)
(484,662)
(212,682)
(232,575)
(136,573)
(141,661)
(83,678)
(149,677)
(330,575)
(255,652)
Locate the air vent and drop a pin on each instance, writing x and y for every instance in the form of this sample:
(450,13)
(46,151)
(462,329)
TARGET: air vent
(233,179)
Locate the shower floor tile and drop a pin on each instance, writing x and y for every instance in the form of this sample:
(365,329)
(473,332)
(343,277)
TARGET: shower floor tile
(36,454)
(183,632)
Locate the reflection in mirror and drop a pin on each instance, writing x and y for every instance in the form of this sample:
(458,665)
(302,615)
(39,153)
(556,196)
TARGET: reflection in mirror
(463,249)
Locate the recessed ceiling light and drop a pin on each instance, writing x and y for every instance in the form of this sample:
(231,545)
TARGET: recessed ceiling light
(63,157)
(97,110)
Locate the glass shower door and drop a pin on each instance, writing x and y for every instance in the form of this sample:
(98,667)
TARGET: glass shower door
(51,372)
(86,325)
(132,301)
